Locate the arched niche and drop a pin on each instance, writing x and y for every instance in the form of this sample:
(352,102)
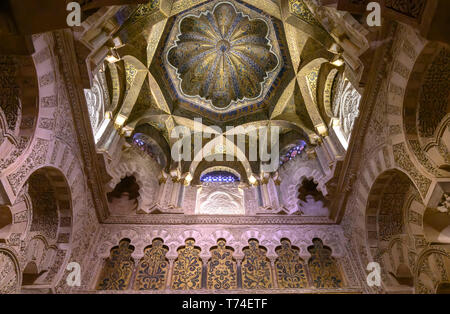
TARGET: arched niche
(51,203)
(149,139)
(40,257)
(123,199)
(396,265)
(385,207)
(436,226)
(292,175)
(144,169)
(290,268)
(117,268)
(311,201)
(6,221)
(291,151)
(153,268)
(256,272)
(98,104)
(187,271)
(432,271)
(30,273)
(426,109)
(221,267)
(47,198)
(393,214)
(18,106)
(10,278)
(342,108)
(219,192)
(16,219)
(324,269)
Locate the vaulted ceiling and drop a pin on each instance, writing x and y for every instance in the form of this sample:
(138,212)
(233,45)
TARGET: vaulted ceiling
(230,63)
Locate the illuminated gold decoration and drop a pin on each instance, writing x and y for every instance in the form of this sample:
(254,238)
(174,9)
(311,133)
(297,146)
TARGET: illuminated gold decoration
(146,9)
(147,14)
(222,56)
(327,93)
(153,39)
(255,269)
(323,267)
(116,89)
(312,78)
(337,61)
(307,79)
(252,180)
(222,74)
(131,72)
(187,269)
(290,268)
(222,268)
(118,268)
(136,73)
(301,10)
(112,59)
(298,14)
(188,179)
(181,5)
(152,269)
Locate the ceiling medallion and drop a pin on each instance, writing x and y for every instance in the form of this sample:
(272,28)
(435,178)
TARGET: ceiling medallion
(223,56)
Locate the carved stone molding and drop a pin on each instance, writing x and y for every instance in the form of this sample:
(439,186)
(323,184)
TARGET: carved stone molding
(71,76)
(232,292)
(173,219)
(369,99)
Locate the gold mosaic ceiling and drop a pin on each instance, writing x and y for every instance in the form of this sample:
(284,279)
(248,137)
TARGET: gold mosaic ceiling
(223,60)
(223,57)
(228,62)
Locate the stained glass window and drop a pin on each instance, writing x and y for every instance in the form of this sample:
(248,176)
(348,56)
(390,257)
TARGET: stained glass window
(292,153)
(141,141)
(118,268)
(150,147)
(219,176)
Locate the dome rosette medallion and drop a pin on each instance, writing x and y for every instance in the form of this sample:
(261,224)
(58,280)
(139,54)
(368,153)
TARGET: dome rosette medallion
(223,58)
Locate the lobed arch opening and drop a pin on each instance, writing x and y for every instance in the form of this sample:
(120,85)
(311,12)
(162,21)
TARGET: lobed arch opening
(426,109)
(19,107)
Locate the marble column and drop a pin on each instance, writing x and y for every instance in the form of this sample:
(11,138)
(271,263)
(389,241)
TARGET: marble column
(169,274)
(175,192)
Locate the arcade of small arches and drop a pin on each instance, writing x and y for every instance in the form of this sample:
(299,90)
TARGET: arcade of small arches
(87,176)
(190,270)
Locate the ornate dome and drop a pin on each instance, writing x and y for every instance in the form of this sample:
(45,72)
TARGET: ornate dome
(222,56)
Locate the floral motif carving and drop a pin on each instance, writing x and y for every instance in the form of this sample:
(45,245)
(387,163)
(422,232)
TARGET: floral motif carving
(323,267)
(153,268)
(187,270)
(255,268)
(411,8)
(290,267)
(9,280)
(118,268)
(222,268)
